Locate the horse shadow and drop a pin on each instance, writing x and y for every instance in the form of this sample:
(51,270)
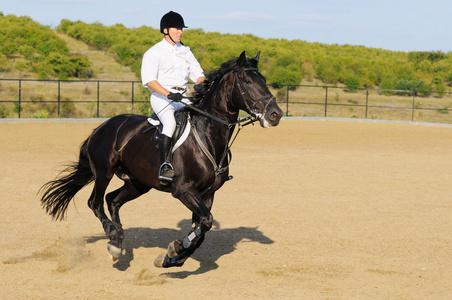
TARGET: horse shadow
(218,242)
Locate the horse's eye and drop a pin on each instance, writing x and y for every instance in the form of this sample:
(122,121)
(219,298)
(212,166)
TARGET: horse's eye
(247,81)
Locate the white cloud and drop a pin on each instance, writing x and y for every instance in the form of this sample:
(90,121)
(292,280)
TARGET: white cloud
(309,21)
(314,18)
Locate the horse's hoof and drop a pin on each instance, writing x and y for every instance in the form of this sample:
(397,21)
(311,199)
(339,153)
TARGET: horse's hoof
(113,259)
(158,262)
(114,251)
(172,250)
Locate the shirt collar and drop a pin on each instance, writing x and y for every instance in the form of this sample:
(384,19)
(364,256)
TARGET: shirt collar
(168,46)
(178,49)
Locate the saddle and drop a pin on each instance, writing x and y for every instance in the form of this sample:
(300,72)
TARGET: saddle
(182,118)
(180,135)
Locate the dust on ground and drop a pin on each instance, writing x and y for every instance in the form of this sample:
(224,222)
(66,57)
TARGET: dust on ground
(316,209)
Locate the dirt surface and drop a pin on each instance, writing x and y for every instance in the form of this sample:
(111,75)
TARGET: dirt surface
(316,210)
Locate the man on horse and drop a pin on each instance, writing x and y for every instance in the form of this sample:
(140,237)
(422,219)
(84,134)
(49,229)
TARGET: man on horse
(165,70)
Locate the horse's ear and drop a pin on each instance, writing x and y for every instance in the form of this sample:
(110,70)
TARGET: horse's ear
(241,60)
(257,56)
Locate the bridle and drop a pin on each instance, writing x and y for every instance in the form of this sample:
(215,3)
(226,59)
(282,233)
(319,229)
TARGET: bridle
(241,122)
(244,92)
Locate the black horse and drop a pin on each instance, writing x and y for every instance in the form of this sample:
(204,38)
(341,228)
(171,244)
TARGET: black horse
(123,145)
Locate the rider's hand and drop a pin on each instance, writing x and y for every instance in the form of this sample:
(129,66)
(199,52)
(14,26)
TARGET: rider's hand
(176,97)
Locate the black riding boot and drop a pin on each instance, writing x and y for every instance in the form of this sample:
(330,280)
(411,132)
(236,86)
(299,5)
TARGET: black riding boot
(166,172)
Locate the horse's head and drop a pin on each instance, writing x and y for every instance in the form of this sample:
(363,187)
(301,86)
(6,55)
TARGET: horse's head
(251,94)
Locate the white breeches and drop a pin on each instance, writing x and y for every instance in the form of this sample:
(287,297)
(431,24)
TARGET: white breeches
(165,109)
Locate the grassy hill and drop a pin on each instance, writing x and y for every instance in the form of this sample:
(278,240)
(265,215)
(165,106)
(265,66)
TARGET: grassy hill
(76,50)
(103,64)
(283,62)
(30,48)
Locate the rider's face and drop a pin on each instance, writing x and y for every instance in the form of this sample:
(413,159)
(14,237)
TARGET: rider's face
(175,33)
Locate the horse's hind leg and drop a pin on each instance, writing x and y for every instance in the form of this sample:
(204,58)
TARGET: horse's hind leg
(129,191)
(96,203)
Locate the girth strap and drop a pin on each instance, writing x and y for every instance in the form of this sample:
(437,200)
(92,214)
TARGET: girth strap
(218,169)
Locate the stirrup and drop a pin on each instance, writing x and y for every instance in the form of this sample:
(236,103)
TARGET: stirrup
(168,175)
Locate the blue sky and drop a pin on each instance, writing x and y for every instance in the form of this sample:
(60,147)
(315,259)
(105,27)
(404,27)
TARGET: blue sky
(410,25)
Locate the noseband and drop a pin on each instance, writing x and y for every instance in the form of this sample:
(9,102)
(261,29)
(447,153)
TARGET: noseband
(244,92)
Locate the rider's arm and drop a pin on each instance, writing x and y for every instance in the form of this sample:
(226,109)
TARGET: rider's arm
(158,88)
(200,80)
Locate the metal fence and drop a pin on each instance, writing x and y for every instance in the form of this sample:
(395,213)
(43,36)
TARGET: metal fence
(26,98)
(366,103)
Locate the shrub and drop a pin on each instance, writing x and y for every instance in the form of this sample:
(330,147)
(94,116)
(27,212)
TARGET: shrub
(67,108)
(4,63)
(46,53)
(352,83)
(68,66)
(440,86)
(387,84)
(408,85)
(4,113)
(41,114)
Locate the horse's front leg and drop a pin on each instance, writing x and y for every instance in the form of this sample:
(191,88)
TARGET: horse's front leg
(115,200)
(180,250)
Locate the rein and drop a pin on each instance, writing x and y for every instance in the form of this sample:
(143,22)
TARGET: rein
(220,168)
(241,122)
(243,92)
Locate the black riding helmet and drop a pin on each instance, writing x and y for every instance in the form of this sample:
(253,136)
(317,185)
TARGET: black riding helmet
(172,20)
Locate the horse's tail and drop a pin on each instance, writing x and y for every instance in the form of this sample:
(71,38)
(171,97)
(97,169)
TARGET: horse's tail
(59,192)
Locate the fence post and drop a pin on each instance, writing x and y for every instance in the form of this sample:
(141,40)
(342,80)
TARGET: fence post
(98,98)
(412,110)
(287,100)
(20,97)
(367,100)
(59,98)
(326,100)
(133,85)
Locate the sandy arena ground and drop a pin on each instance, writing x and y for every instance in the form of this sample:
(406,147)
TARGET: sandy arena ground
(316,210)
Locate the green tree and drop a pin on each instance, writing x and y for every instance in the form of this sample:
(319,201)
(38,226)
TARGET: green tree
(46,53)
(387,84)
(352,82)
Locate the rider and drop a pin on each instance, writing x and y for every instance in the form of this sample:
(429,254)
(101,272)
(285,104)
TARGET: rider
(165,70)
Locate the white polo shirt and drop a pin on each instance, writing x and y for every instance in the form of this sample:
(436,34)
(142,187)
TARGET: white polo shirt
(170,65)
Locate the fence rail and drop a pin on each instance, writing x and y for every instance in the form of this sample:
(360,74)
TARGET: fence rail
(27,98)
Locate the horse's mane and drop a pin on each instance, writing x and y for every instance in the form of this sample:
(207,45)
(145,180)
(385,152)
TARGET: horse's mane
(204,90)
